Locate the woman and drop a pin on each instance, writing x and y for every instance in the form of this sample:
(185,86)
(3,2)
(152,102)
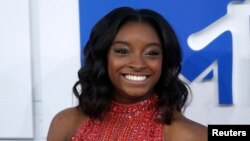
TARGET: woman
(129,85)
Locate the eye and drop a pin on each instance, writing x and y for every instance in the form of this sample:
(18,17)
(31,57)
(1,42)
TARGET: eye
(121,51)
(153,53)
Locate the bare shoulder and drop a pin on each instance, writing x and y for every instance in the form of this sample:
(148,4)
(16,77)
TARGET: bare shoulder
(183,129)
(64,124)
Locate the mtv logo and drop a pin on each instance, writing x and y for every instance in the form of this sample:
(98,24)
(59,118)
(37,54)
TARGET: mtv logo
(236,21)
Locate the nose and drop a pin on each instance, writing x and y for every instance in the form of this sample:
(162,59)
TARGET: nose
(137,62)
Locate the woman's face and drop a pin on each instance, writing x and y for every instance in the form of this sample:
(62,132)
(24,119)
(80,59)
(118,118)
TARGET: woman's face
(135,62)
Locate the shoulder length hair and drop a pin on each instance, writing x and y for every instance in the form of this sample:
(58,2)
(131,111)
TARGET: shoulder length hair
(95,94)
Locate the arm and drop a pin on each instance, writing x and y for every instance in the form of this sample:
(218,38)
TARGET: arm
(183,129)
(64,125)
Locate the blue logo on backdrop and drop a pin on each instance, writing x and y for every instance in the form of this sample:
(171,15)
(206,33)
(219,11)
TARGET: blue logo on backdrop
(186,17)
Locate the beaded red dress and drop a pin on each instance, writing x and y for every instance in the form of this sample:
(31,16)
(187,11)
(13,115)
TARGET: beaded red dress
(124,122)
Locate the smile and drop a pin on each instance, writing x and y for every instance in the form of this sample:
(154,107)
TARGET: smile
(135,77)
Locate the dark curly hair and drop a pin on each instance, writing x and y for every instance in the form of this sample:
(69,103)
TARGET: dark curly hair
(95,93)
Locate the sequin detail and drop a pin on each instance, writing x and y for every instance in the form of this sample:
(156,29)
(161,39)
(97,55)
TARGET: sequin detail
(124,122)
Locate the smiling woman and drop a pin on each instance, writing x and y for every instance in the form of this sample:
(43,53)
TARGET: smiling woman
(134,62)
(129,82)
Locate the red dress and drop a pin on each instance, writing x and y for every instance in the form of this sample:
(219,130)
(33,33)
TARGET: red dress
(124,122)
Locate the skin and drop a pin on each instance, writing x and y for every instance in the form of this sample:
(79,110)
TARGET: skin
(134,62)
(136,50)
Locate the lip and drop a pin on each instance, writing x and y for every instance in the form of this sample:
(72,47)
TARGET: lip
(135,82)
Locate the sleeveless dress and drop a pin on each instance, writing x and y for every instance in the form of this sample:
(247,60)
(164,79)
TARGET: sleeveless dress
(124,122)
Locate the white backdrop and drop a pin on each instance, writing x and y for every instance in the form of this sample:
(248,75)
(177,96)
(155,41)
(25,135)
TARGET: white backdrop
(15,70)
(39,60)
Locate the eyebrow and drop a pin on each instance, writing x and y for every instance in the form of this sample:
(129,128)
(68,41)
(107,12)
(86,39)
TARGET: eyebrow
(128,44)
(120,42)
(154,44)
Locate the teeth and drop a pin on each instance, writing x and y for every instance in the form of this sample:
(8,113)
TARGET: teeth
(135,77)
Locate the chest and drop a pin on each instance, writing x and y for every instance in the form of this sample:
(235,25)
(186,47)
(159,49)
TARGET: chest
(122,127)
